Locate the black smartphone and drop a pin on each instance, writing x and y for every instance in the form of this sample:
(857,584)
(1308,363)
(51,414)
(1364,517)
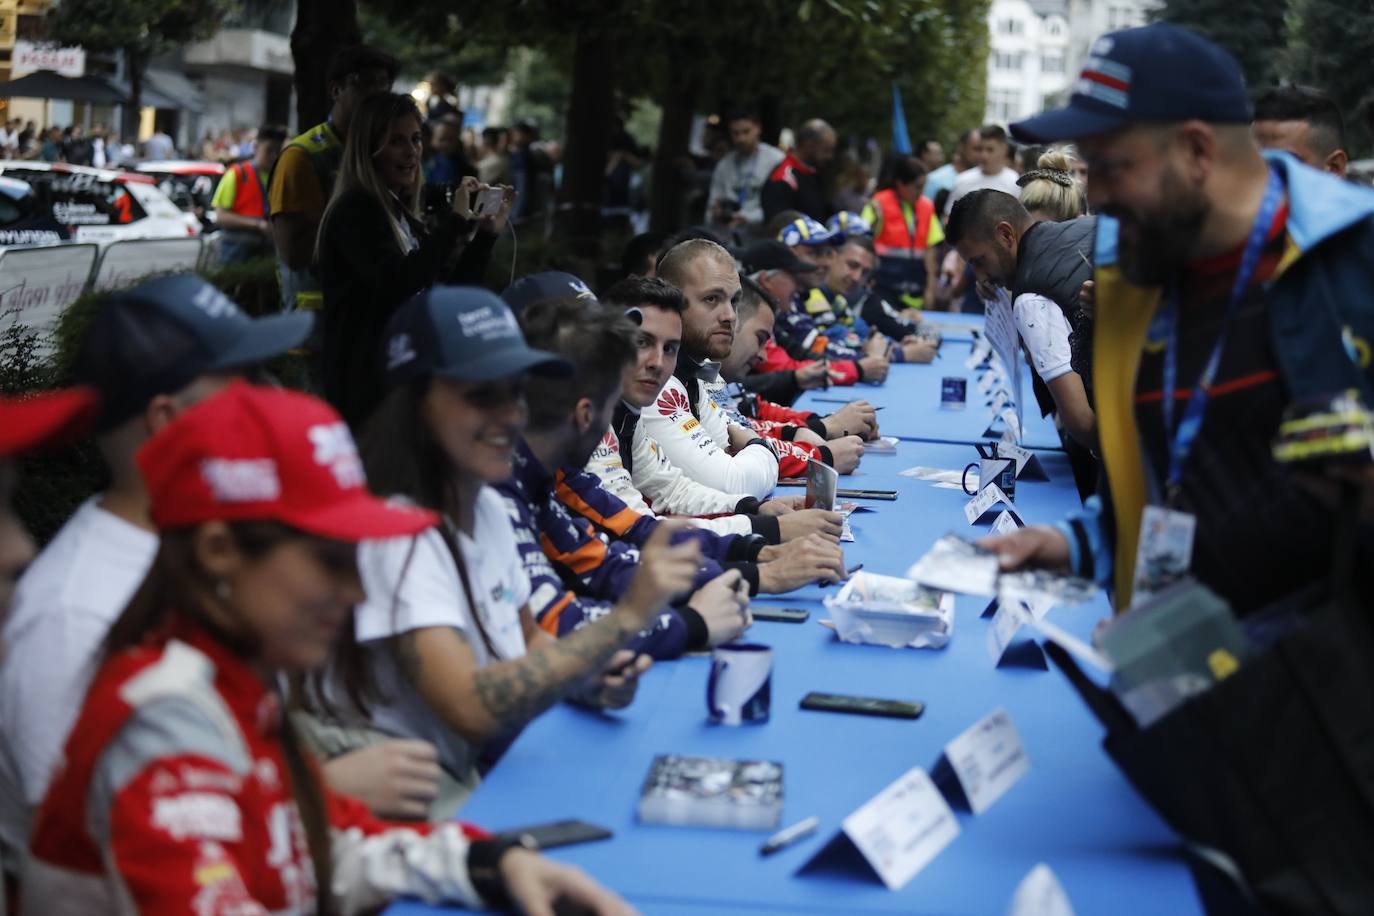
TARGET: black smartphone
(888,495)
(863,706)
(780,614)
(558,833)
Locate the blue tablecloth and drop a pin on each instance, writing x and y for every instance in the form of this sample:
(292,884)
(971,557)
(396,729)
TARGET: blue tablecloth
(1073,811)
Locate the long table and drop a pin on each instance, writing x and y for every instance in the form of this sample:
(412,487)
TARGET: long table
(1073,811)
(910,402)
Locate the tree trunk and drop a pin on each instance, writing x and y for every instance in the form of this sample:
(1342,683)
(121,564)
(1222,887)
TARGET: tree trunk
(591,118)
(135,62)
(322,28)
(770,118)
(672,168)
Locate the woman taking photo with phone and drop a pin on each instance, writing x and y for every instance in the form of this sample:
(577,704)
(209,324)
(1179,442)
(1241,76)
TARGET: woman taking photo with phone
(446,646)
(184,788)
(374,249)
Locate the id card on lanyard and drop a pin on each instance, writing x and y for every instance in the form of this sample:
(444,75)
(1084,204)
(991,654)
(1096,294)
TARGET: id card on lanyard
(1165,549)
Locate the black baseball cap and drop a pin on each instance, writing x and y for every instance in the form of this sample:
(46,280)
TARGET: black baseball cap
(771,254)
(545,285)
(1156,73)
(159,336)
(461,332)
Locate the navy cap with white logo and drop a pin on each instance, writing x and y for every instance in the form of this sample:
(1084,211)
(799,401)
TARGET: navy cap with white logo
(545,285)
(159,336)
(1154,74)
(461,332)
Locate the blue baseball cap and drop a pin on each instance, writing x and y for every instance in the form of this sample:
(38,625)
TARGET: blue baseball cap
(806,231)
(161,335)
(847,224)
(545,285)
(1156,73)
(461,332)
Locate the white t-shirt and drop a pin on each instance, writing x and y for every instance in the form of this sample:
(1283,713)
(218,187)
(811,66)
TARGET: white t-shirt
(63,606)
(431,595)
(1045,330)
(975,180)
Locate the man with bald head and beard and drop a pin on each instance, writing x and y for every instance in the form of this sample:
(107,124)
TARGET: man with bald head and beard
(796,183)
(1230,285)
(688,426)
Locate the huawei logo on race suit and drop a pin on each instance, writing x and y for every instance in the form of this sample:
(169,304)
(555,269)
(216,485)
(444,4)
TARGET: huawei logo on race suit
(335,450)
(673,402)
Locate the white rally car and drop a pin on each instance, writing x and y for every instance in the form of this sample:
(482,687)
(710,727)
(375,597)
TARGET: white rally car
(83,204)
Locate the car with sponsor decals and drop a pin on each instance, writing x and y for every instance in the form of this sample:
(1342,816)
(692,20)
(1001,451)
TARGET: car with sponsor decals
(83,204)
(189,183)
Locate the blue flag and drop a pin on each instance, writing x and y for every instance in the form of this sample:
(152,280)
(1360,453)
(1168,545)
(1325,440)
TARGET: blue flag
(901,140)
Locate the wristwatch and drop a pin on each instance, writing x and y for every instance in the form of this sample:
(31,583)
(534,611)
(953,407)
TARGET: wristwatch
(484,867)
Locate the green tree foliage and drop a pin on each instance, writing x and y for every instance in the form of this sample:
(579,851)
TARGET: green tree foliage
(1332,48)
(139,28)
(1254,31)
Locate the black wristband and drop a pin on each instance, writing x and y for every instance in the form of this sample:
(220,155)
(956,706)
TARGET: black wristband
(484,867)
(698,637)
(745,548)
(788,433)
(747,506)
(766,527)
(817,426)
(826,454)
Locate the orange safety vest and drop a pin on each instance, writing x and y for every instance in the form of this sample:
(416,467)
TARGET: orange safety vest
(248,197)
(899,239)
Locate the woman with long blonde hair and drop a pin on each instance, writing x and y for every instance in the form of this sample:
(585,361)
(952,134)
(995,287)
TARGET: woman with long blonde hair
(375,250)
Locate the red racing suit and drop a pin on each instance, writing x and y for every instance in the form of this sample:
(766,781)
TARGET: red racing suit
(175,797)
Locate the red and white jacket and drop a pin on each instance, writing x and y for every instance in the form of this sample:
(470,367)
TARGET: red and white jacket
(772,421)
(776,359)
(174,797)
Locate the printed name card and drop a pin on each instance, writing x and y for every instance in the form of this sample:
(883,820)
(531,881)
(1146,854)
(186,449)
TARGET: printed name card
(1013,421)
(1006,623)
(1007,522)
(987,497)
(1040,894)
(902,828)
(1025,458)
(981,351)
(988,759)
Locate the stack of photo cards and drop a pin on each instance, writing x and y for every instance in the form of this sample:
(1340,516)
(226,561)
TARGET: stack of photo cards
(712,792)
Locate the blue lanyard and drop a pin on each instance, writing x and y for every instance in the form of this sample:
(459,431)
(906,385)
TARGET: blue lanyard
(1191,423)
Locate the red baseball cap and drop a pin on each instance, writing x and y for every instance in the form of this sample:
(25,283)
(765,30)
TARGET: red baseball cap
(267,453)
(50,418)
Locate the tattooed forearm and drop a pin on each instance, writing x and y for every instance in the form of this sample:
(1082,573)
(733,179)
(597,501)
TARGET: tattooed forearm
(515,692)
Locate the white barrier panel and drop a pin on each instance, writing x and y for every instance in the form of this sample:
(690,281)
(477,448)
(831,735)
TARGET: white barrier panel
(37,285)
(125,263)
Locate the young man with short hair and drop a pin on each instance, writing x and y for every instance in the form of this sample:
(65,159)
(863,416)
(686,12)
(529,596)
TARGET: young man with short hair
(737,182)
(993,169)
(802,435)
(1304,122)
